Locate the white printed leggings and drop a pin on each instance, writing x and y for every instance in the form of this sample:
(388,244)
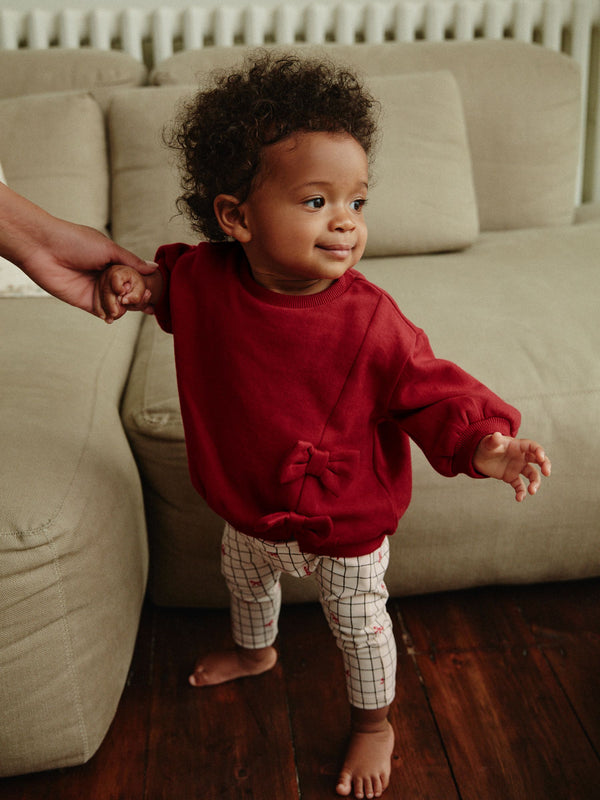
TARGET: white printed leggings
(352,593)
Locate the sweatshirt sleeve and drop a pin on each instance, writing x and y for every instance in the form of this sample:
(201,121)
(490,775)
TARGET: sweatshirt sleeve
(167,257)
(446,411)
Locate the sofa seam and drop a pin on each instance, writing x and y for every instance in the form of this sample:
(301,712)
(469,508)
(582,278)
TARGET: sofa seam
(68,645)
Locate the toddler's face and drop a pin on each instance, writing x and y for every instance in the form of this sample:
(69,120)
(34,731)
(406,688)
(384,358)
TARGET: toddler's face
(305,217)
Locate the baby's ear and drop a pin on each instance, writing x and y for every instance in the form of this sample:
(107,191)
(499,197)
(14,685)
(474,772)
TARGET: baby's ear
(230,216)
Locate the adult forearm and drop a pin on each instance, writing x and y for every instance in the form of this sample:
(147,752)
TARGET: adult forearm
(23,226)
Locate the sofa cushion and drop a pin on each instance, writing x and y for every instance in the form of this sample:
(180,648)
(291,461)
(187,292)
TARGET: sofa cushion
(31,71)
(522,105)
(423,198)
(145,183)
(73,549)
(59,159)
(527,326)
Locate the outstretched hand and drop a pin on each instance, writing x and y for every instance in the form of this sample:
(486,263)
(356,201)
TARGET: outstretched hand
(510,460)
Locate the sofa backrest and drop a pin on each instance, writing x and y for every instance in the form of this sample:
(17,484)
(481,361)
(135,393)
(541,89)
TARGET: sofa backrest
(522,106)
(24,72)
(52,127)
(500,152)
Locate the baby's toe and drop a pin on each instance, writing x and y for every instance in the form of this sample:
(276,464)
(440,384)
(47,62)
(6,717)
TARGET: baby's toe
(344,785)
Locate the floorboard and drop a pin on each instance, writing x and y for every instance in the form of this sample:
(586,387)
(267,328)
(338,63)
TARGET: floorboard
(225,742)
(316,696)
(422,767)
(498,696)
(566,627)
(505,737)
(506,723)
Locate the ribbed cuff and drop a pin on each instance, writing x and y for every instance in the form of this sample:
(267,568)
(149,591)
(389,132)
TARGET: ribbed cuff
(469,441)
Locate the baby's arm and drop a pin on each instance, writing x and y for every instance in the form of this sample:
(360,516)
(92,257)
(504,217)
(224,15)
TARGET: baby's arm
(508,459)
(120,289)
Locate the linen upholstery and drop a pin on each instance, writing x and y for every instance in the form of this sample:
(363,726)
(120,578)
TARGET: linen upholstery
(30,71)
(422,198)
(144,177)
(536,343)
(61,165)
(73,550)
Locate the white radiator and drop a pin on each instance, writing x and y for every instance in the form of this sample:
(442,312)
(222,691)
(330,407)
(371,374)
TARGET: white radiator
(570,26)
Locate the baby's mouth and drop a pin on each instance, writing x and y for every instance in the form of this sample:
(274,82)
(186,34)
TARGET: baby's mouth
(340,250)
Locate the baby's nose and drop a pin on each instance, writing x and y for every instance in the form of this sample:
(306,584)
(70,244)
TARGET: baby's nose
(342,221)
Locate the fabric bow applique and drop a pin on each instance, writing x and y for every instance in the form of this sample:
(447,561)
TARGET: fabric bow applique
(295,525)
(334,470)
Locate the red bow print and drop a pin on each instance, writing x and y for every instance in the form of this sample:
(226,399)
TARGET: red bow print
(333,470)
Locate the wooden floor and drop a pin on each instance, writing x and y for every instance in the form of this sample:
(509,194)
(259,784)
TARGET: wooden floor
(498,699)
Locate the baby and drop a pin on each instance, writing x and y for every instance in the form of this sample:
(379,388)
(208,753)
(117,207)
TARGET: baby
(300,381)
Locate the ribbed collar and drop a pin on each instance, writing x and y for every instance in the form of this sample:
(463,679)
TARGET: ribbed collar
(294,300)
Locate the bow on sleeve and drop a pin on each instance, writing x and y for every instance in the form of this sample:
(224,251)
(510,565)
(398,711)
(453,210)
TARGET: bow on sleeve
(334,470)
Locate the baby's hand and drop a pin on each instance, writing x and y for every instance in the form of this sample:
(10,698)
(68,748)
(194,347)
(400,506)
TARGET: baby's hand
(119,289)
(508,459)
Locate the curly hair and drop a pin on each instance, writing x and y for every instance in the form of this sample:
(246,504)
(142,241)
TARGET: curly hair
(221,133)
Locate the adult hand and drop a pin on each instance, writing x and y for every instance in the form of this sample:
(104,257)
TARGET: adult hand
(61,257)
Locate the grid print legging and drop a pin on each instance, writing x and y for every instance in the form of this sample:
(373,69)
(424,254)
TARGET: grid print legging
(352,593)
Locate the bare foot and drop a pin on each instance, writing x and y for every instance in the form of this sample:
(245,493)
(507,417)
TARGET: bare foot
(227,665)
(367,765)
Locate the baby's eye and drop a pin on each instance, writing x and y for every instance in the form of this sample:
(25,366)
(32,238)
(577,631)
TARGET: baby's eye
(357,205)
(315,202)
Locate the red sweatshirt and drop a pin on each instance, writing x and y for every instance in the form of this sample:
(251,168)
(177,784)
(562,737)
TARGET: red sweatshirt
(297,409)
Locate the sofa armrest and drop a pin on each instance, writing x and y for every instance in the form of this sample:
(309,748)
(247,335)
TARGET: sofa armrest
(73,555)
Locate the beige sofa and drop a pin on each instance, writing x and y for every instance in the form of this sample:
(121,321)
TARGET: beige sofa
(473,230)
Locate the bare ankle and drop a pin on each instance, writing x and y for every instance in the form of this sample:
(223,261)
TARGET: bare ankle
(368,762)
(257,657)
(369,720)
